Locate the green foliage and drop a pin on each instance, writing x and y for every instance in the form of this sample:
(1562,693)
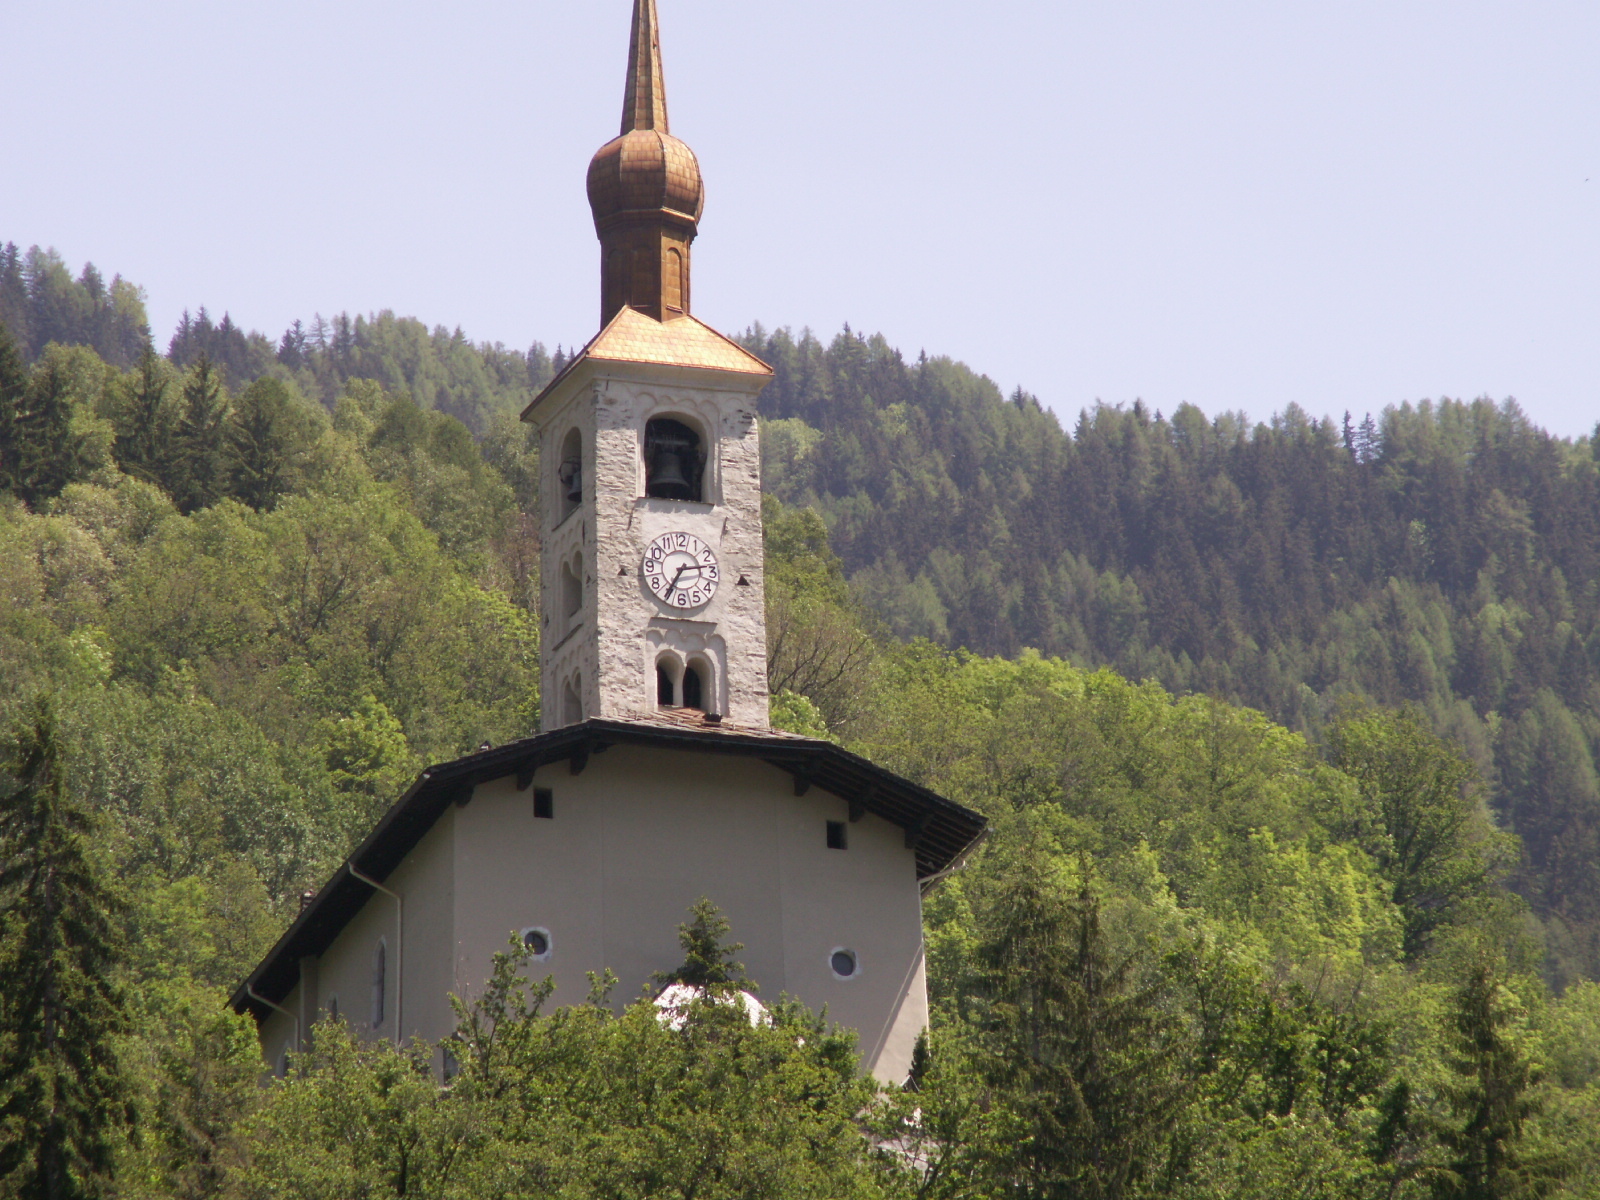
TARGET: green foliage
(708,958)
(63,1090)
(1198,956)
(1418,816)
(1490,1099)
(269,437)
(200,472)
(1444,554)
(819,648)
(41,303)
(580,1102)
(1083,1051)
(49,435)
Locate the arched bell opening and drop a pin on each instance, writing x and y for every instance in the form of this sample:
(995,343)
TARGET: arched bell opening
(570,475)
(669,673)
(572,701)
(674,460)
(697,685)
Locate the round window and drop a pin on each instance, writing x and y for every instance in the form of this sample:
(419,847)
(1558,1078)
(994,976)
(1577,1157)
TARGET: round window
(843,963)
(538,941)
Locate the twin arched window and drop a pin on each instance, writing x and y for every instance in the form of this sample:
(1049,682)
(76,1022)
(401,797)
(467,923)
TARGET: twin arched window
(683,685)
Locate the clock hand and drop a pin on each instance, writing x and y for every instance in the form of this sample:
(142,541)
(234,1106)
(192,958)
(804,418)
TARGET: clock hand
(677,577)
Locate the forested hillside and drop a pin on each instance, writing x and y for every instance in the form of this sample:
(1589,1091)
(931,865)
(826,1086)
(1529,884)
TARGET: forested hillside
(1445,554)
(41,302)
(1206,950)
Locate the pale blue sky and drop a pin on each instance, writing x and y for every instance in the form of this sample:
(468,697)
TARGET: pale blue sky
(1239,205)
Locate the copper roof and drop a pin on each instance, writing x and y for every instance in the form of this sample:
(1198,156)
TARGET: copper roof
(643,171)
(644,104)
(940,832)
(631,336)
(645,168)
(686,342)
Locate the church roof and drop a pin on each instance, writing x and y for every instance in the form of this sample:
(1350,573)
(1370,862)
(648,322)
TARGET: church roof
(633,337)
(940,831)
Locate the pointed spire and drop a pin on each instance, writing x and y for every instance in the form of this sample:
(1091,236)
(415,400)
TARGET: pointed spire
(645,104)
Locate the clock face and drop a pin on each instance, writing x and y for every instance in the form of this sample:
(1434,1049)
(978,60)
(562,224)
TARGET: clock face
(680,570)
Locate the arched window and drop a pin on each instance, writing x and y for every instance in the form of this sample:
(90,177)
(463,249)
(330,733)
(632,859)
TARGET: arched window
(572,701)
(380,958)
(571,589)
(644,280)
(333,1008)
(693,686)
(674,460)
(570,474)
(669,674)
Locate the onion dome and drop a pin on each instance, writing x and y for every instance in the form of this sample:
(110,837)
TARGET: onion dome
(644,170)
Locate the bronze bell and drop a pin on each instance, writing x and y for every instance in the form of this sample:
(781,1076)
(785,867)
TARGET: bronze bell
(666,476)
(572,475)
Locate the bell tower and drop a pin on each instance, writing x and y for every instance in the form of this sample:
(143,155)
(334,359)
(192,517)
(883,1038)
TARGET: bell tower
(653,604)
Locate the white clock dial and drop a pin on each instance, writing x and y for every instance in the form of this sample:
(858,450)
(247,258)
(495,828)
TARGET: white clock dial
(680,570)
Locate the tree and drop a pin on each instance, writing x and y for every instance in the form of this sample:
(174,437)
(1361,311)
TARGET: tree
(268,433)
(1420,818)
(13,383)
(1079,1050)
(708,960)
(199,476)
(1490,1098)
(144,445)
(63,1093)
(38,453)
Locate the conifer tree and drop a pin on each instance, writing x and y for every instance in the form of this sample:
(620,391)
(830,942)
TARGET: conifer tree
(266,436)
(708,960)
(63,1094)
(200,473)
(13,382)
(1080,1052)
(38,454)
(144,445)
(1491,1099)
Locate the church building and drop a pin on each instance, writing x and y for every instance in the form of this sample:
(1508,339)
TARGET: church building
(655,778)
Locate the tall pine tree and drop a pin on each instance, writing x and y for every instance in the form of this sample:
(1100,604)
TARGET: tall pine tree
(63,1094)
(39,455)
(1491,1101)
(1082,1053)
(200,473)
(13,383)
(144,446)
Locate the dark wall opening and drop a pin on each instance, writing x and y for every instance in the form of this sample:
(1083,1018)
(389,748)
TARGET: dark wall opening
(674,460)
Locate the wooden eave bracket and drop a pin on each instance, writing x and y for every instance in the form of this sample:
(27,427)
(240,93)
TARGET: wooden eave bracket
(581,753)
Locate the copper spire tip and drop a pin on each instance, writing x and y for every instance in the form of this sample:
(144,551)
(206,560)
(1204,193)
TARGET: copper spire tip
(645,104)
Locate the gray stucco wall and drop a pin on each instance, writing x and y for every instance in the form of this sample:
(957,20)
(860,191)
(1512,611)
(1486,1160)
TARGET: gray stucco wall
(636,838)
